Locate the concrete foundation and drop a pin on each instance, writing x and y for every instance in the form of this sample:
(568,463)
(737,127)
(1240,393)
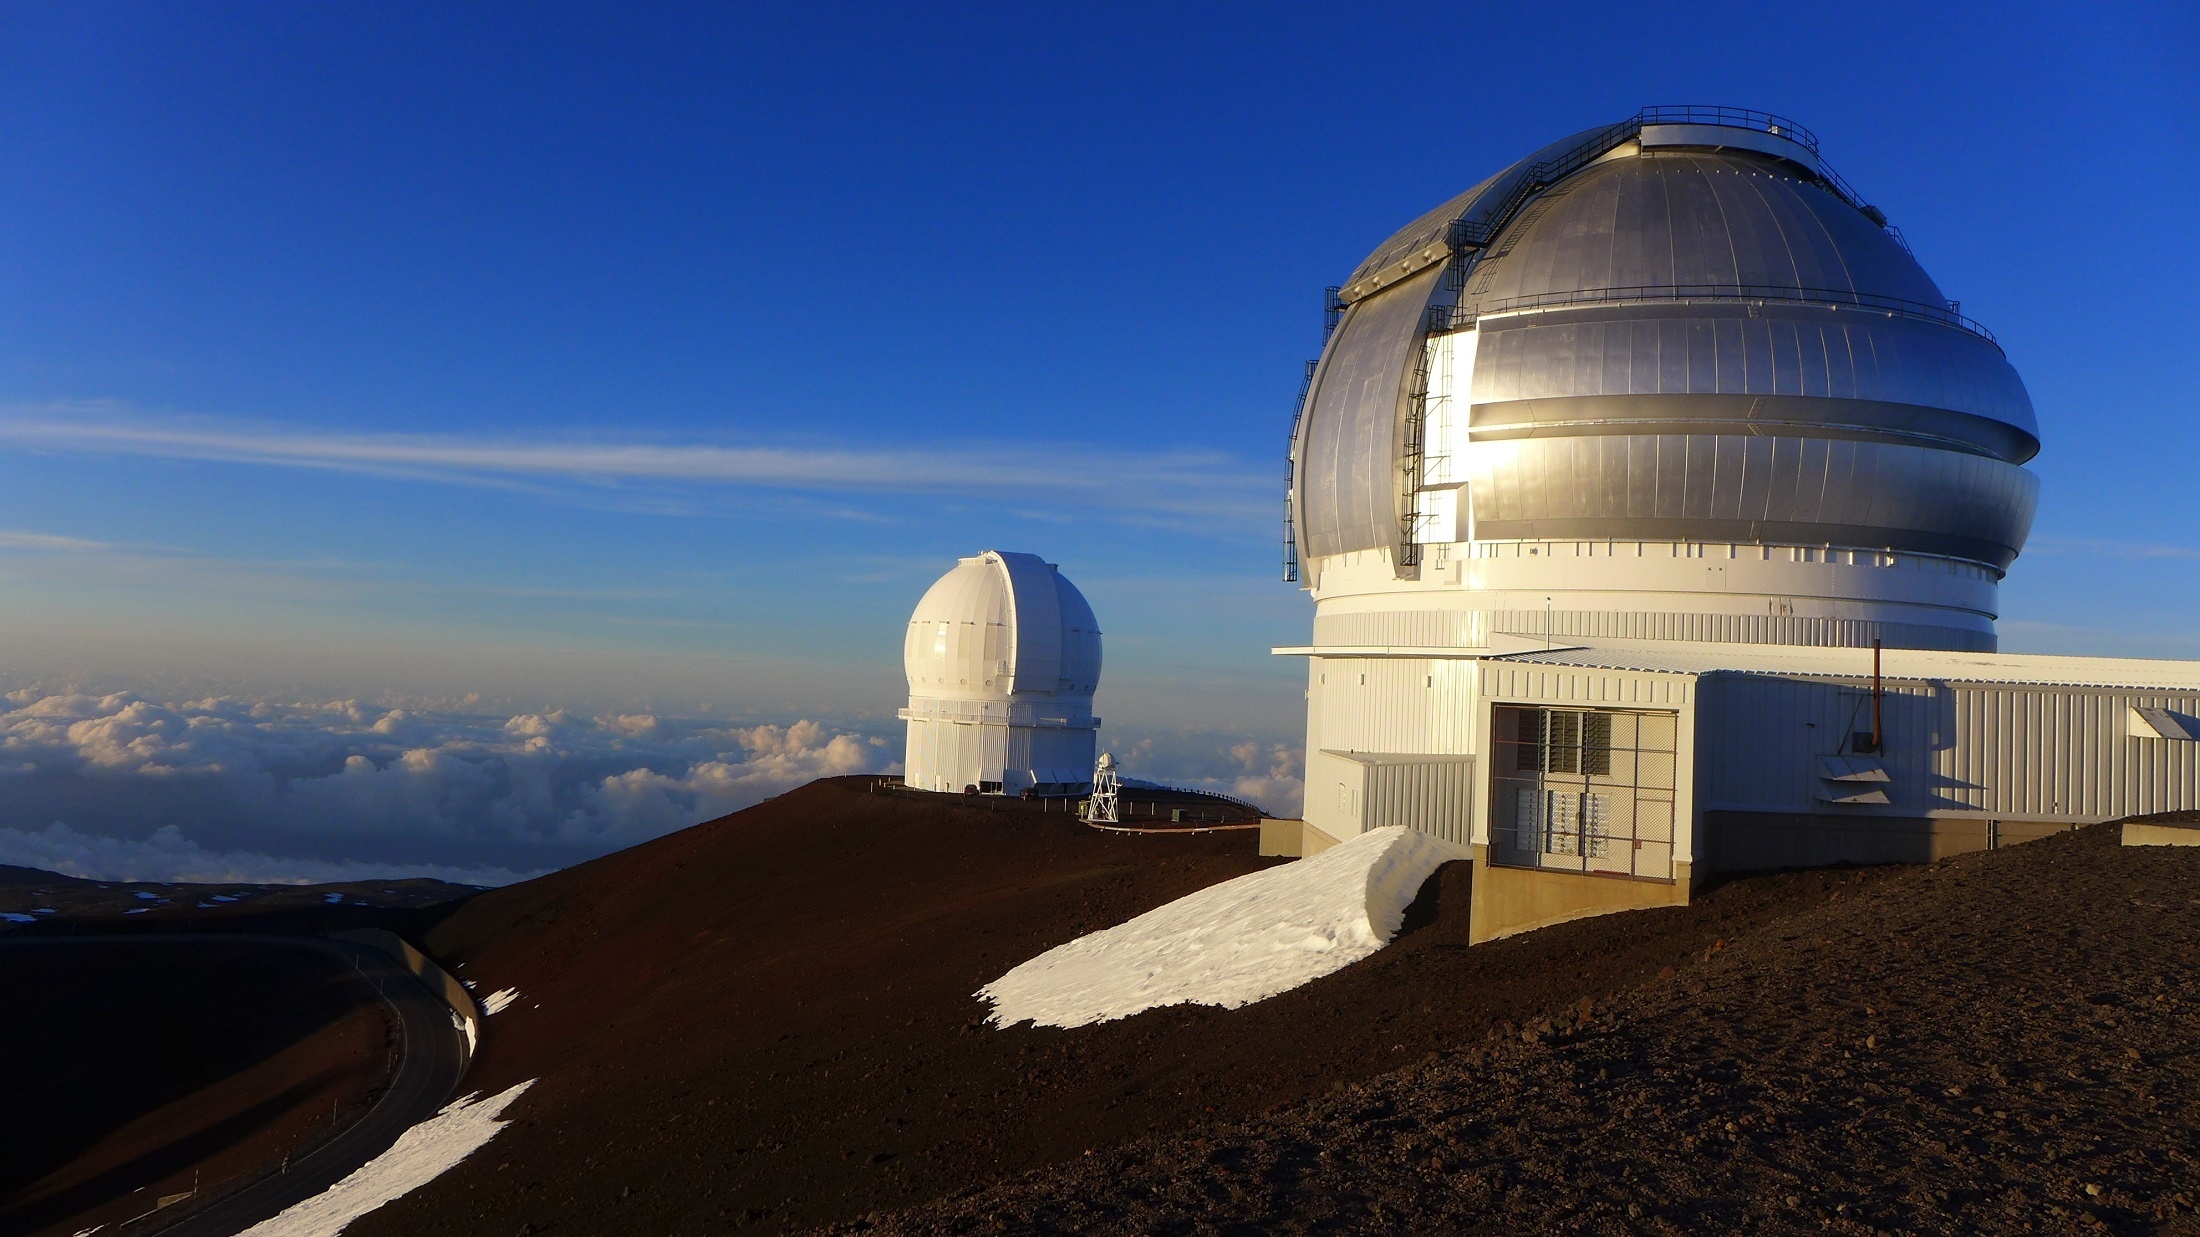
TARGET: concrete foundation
(2144,833)
(1762,841)
(1292,839)
(1510,900)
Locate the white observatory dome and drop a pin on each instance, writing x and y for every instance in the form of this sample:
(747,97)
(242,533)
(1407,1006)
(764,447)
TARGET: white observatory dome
(999,625)
(1003,656)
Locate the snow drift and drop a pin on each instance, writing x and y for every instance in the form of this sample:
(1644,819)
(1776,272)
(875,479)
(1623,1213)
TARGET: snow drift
(1230,944)
(421,1154)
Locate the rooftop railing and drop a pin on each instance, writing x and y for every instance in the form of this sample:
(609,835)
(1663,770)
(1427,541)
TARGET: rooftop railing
(1730,117)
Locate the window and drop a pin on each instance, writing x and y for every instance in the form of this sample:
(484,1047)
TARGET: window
(1563,741)
(1565,823)
(1586,790)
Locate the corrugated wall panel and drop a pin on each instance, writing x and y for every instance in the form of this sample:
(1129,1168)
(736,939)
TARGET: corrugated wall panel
(2001,750)
(2043,751)
(1507,682)
(1760,738)
(1435,797)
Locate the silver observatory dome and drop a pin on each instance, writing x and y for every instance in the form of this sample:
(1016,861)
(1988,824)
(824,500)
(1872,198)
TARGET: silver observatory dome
(1667,379)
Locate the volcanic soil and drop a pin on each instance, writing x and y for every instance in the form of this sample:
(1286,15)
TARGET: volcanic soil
(767,1021)
(138,1070)
(2004,1042)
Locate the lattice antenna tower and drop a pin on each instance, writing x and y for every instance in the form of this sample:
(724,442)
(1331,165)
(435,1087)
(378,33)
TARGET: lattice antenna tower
(1101,808)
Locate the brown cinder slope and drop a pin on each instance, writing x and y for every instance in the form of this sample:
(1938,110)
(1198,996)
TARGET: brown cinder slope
(133,1070)
(2004,1042)
(769,1017)
(767,1021)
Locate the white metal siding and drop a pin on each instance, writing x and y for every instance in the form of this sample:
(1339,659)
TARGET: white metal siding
(1408,628)
(1436,797)
(1508,681)
(1403,704)
(2002,751)
(2046,751)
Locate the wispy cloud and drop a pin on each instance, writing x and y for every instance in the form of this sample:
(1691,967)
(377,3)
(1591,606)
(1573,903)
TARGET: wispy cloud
(50,542)
(1168,480)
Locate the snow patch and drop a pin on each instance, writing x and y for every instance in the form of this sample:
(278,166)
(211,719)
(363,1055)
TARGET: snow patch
(1231,944)
(496,1001)
(13,917)
(421,1154)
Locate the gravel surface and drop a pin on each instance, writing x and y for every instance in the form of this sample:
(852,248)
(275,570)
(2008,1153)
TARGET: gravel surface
(768,1022)
(2003,1042)
(132,1070)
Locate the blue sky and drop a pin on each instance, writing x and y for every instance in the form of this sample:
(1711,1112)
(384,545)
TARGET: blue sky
(631,357)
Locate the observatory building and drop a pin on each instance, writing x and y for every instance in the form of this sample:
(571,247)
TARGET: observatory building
(1002,655)
(1654,501)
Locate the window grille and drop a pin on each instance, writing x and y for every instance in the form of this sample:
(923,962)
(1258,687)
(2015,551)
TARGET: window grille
(1589,790)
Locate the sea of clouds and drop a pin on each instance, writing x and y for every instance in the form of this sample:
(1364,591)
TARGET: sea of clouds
(122,787)
(125,786)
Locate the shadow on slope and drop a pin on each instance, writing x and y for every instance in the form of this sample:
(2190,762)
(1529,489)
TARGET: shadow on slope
(131,1068)
(2003,1042)
(768,1020)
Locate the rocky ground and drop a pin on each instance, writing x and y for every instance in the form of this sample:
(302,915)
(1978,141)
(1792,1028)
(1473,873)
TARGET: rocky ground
(2005,1042)
(766,1023)
(136,1071)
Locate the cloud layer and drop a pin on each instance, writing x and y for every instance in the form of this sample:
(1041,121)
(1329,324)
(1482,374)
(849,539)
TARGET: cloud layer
(123,787)
(170,856)
(1262,773)
(1178,482)
(127,786)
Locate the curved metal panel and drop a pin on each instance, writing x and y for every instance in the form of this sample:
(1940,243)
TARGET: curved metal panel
(961,632)
(1347,471)
(1425,241)
(1080,639)
(1699,217)
(1035,623)
(1730,487)
(1736,349)
(1725,414)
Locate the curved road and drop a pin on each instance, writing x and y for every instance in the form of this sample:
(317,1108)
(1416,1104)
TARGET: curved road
(431,1055)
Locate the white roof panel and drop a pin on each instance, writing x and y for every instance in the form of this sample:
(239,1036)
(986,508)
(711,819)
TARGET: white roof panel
(1666,657)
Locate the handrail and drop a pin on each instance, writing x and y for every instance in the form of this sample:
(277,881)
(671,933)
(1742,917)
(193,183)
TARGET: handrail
(1464,235)
(1720,292)
(1731,118)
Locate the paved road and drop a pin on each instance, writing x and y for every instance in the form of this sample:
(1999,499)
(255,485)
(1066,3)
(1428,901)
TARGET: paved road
(431,1055)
